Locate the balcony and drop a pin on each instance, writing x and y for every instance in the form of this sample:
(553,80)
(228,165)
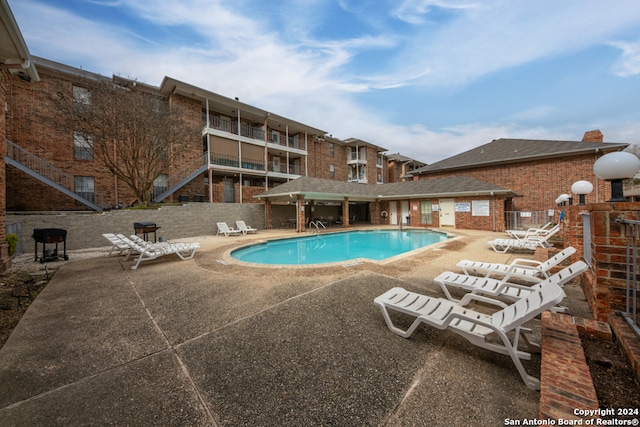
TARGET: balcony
(231,161)
(231,126)
(282,169)
(292,142)
(359,158)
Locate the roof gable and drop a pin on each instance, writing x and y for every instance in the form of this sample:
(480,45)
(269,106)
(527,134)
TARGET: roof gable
(506,150)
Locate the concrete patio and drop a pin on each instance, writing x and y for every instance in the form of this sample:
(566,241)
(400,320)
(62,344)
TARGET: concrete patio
(210,343)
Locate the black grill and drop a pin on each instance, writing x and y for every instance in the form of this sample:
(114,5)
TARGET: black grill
(50,236)
(145,228)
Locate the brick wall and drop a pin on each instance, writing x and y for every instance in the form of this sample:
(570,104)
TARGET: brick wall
(5,260)
(34,125)
(84,229)
(319,159)
(540,181)
(605,283)
(463,220)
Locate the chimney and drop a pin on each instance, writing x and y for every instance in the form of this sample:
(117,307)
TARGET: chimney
(593,136)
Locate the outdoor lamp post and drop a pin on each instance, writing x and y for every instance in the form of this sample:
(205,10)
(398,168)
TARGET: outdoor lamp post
(581,188)
(615,167)
(563,199)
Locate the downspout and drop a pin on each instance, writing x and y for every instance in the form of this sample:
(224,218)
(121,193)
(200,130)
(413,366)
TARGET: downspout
(266,152)
(493,209)
(209,171)
(239,153)
(115,177)
(286,131)
(306,156)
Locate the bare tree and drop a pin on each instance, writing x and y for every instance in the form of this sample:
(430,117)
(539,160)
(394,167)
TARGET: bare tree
(134,131)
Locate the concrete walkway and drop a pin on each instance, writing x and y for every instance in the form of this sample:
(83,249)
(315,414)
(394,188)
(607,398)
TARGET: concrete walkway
(205,343)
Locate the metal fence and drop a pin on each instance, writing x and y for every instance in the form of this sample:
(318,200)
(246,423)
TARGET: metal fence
(631,310)
(522,220)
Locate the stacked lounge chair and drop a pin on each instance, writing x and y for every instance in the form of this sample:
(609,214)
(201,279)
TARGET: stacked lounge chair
(529,243)
(507,323)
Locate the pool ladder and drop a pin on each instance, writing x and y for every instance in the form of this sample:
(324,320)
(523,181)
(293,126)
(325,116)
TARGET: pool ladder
(317,224)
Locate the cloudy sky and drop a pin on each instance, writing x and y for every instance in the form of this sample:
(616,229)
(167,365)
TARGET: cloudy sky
(425,78)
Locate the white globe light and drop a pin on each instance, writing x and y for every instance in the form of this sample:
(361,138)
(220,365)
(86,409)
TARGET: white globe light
(618,165)
(563,197)
(581,187)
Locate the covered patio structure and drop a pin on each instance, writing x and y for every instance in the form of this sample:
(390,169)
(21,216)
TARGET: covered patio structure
(340,203)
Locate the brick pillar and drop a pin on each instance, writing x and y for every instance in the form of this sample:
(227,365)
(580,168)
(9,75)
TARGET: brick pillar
(300,214)
(345,212)
(268,215)
(5,259)
(604,284)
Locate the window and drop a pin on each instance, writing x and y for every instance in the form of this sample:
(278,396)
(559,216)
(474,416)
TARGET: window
(426,212)
(81,99)
(82,146)
(331,150)
(332,170)
(160,184)
(84,187)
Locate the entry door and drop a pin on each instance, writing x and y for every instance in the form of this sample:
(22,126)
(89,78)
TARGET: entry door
(404,207)
(447,213)
(229,191)
(393,213)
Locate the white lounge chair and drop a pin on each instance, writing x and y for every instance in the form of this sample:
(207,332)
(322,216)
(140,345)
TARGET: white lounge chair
(117,243)
(156,250)
(521,268)
(474,326)
(502,288)
(223,228)
(245,228)
(523,234)
(529,243)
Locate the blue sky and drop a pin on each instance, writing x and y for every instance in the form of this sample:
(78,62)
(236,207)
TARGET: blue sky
(425,78)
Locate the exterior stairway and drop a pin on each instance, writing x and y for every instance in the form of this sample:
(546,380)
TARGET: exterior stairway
(47,173)
(183,177)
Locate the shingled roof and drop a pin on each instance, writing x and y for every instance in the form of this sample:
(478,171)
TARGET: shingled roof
(328,189)
(502,151)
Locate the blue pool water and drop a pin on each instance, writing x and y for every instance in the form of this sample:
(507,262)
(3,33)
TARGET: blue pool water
(338,247)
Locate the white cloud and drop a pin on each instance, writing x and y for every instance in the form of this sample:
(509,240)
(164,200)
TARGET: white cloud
(629,63)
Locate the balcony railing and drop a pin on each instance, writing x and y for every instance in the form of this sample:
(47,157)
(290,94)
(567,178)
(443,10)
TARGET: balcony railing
(231,126)
(293,169)
(232,161)
(253,132)
(362,156)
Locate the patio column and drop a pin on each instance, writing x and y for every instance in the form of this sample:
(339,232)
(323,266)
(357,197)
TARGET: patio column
(345,213)
(268,215)
(300,213)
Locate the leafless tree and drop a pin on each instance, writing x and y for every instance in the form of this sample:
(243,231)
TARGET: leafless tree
(132,129)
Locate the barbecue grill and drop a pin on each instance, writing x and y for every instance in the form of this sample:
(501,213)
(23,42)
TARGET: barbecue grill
(145,228)
(50,236)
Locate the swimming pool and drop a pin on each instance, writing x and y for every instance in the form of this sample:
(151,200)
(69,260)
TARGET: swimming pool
(338,247)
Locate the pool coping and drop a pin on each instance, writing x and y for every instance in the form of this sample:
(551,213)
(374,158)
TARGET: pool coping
(228,259)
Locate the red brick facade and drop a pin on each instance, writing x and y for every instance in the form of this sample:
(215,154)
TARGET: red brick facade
(605,282)
(539,181)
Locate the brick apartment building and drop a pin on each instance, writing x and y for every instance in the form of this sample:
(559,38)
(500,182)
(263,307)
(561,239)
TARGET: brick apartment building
(243,150)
